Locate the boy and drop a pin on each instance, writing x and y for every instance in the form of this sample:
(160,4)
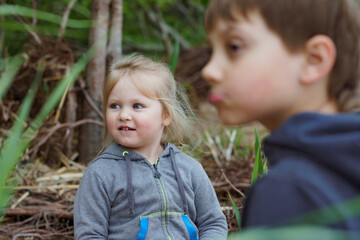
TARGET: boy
(293,65)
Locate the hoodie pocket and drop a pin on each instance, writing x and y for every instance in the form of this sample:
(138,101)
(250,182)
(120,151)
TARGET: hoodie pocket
(172,226)
(144,225)
(181,227)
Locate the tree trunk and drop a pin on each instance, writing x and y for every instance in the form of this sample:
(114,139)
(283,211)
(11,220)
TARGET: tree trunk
(91,135)
(114,48)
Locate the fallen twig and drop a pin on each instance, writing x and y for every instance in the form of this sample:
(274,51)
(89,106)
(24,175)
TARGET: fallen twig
(228,181)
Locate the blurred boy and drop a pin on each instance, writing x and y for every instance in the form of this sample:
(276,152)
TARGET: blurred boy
(293,65)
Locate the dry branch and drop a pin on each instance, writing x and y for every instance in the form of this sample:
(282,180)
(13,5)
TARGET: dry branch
(65,19)
(33,210)
(60,126)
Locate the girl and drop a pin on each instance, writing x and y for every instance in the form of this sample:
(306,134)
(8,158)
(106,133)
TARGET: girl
(141,186)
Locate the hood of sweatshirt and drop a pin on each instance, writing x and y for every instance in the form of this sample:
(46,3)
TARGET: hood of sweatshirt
(332,141)
(117,151)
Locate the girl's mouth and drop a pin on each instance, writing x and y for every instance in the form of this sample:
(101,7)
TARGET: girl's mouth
(126,129)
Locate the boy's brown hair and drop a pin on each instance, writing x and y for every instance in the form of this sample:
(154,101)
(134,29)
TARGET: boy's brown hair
(296,21)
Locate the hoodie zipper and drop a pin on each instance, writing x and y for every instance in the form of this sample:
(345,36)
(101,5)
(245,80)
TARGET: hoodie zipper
(158,175)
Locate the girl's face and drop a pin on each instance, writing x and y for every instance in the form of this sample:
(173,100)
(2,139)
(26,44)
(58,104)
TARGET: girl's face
(134,120)
(251,73)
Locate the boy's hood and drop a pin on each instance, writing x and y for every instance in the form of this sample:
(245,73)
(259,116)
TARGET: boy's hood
(332,141)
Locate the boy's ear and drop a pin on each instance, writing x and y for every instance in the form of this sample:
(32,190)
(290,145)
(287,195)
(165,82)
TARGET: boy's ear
(320,55)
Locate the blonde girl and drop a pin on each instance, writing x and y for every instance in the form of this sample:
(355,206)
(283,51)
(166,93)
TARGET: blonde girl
(142,186)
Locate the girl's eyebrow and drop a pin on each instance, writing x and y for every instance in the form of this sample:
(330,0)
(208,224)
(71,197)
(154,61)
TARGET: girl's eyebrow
(136,100)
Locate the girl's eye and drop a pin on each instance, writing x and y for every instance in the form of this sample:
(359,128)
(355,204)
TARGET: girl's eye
(114,106)
(137,106)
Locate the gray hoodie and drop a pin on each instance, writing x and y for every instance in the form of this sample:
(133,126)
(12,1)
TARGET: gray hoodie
(123,196)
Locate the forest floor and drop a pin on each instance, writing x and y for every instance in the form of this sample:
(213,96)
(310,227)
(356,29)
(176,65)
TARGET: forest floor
(42,205)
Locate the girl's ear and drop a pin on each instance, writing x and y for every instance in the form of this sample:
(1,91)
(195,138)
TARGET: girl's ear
(320,56)
(166,119)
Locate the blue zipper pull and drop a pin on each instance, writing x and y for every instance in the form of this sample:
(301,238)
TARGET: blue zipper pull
(156,173)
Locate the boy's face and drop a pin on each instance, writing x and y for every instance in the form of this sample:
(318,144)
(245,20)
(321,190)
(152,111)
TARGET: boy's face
(251,73)
(134,120)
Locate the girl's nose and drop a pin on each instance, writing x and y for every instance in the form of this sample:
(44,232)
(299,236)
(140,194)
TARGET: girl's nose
(211,72)
(124,115)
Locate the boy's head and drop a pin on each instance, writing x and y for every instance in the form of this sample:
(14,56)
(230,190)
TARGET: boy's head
(332,24)
(155,81)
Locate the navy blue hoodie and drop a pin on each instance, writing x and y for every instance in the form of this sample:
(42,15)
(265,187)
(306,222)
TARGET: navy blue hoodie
(314,163)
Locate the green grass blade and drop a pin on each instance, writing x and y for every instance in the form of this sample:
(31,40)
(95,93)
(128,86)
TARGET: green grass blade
(265,166)
(255,172)
(236,211)
(258,151)
(10,154)
(174,57)
(9,73)
(260,166)
(7,9)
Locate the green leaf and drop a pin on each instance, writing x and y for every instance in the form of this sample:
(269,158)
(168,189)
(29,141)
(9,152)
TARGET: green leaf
(258,153)
(7,9)
(236,211)
(11,150)
(255,172)
(260,166)
(45,30)
(10,72)
(174,57)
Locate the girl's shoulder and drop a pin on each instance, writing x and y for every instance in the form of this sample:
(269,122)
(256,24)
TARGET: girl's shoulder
(110,159)
(183,160)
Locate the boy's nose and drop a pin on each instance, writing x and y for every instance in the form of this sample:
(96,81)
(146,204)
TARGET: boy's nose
(211,72)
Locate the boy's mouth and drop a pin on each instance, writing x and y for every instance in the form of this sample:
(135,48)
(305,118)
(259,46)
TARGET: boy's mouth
(214,98)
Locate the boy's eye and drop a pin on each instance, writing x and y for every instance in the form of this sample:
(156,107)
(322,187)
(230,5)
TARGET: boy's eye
(234,47)
(114,106)
(137,106)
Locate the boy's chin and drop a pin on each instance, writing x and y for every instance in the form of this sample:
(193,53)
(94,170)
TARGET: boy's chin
(230,119)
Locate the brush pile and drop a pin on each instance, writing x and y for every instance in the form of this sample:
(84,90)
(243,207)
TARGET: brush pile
(42,206)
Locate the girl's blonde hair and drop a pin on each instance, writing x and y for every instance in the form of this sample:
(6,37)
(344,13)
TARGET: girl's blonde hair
(162,87)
